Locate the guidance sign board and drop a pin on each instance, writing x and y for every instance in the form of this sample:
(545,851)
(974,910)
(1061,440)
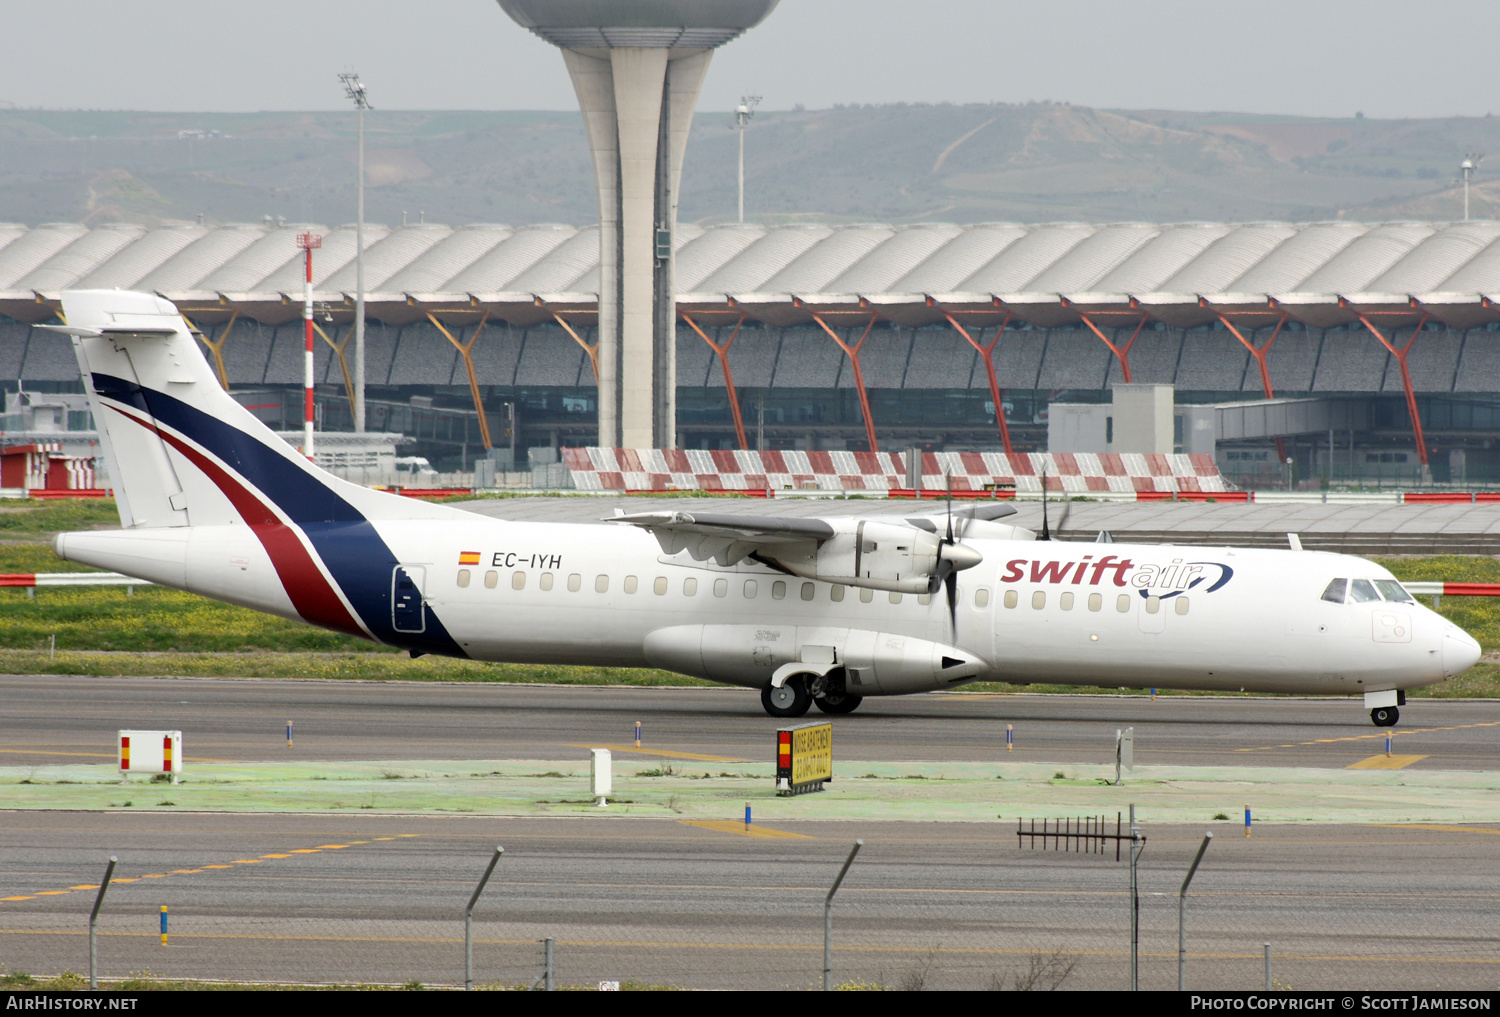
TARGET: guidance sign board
(804,758)
(150,753)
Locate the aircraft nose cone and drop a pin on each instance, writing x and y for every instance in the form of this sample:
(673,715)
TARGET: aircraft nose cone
(961,556)
(1460,652)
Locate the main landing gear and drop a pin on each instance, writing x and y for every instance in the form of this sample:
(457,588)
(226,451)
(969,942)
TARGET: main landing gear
(1385,716)
(794,698)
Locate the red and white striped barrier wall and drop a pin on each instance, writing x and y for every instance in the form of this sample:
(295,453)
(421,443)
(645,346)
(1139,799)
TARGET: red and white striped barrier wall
(42,466)
(625,469)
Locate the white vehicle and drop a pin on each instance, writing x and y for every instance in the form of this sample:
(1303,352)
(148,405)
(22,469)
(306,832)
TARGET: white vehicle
(810,611)
(414,466)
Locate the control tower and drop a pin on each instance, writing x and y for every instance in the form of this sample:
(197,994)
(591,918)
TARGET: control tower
(637,66)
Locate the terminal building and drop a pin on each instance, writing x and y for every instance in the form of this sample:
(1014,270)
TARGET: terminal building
(1360,352)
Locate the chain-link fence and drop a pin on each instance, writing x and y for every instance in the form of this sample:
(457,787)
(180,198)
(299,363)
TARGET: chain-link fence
(751,917)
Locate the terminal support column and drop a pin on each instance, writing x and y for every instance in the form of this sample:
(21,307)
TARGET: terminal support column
(859,374)
(722,352)
(1411,396)
(989,369)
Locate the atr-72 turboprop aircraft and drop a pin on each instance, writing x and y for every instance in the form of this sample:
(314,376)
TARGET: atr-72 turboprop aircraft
(821,611)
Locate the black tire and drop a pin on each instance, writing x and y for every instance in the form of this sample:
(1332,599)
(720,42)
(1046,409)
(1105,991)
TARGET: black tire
(842,703)
(1385,716)
(791,700)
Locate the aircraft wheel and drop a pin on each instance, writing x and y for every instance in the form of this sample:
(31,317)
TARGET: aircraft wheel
(844,703)
(1385,716)
(791,700)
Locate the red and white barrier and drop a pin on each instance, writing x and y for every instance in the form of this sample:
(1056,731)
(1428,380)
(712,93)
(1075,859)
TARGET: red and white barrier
(623,469)
(35,579)
(42,466)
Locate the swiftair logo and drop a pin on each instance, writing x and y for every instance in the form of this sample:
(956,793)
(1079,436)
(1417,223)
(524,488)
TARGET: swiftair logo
(1152,579)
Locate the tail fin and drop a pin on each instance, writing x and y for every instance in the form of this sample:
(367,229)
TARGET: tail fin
(181,451)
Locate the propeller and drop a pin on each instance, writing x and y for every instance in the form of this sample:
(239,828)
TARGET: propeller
(1046,533)
(952,556)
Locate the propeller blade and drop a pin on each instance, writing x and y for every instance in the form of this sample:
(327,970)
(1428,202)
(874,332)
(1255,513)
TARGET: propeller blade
(1046,532)
(948,478)
(939,576)
(951,582)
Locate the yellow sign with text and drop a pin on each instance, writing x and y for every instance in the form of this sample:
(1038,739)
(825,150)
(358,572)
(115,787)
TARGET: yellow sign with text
(812,753)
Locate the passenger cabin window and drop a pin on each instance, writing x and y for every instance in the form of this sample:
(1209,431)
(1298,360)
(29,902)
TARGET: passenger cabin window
(1038,600)
(690,587)
(546,581)
(463,579)
(1096,601)
(836,594)
(1065,602)
(1392,590)
(1362,591)
(866,595)
(518,580)
(1153,605)
(660,586)
(721,588)
(924,599)
(575,583)
(491,580)
(601,584)
(981,597)
(807,591)
(1122,603)
(1011,598)
(1334,592)
(749,589)
(895,598)
(630,584)
(778,590)
(1182,605)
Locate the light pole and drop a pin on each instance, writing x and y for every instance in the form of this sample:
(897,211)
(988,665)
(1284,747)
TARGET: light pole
(355,90)
(743,114)
(1467,168)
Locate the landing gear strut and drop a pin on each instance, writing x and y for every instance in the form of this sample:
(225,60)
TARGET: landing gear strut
(1385,716)
(791,700)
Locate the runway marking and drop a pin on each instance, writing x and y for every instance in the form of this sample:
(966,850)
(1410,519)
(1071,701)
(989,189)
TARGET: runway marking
(1440,829)
(203,868)
(664,752)
(737,827)
(1385,763)
(1363,737)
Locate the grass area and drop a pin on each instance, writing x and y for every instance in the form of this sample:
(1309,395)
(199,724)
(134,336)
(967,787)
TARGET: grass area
(70,981)
(102,631)
(389,666)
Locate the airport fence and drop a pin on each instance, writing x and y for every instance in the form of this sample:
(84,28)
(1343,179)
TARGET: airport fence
(1044,919)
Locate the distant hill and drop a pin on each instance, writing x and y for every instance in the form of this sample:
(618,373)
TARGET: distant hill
(903,163)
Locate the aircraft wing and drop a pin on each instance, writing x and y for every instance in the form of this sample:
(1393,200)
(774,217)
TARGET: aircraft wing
(729,539)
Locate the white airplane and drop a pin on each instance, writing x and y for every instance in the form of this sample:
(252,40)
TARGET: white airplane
(821,611)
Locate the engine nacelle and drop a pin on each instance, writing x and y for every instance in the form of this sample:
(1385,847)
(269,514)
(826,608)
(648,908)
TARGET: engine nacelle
(873,663)
(893,556)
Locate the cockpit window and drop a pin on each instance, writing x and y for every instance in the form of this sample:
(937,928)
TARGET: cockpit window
(1392,590)
(1362,591)
(1334,593)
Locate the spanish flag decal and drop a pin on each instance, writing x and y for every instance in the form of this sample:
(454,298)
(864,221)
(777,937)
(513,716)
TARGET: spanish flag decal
(468,557)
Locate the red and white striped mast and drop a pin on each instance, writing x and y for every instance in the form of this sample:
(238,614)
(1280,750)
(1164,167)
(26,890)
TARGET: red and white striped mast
(308,242)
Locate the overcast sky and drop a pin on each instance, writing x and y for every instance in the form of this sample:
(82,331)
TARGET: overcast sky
(1387,58)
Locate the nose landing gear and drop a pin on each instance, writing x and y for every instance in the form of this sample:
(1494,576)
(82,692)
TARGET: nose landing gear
(1385,716)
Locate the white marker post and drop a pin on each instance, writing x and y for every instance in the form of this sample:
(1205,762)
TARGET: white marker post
(1124,751)
(150,753)
(603,776)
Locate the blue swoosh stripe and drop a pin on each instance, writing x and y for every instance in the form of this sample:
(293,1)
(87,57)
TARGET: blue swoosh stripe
(358,559)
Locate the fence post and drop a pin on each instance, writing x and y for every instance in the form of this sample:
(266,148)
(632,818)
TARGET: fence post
(469,920)
(1137,845)
(109,872)
(1268,966)
(549,965)
(828,916)
(1182,912)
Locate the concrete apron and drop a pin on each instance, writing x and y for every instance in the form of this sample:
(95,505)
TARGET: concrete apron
(952,792)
